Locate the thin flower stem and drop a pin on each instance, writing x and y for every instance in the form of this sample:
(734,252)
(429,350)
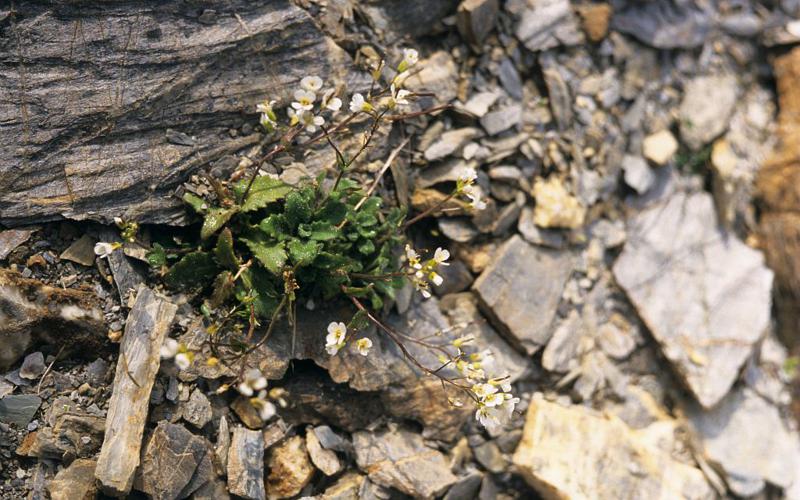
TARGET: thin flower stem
(383,170)
(430,210)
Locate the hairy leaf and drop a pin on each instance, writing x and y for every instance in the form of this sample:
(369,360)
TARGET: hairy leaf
(264,191)
(224,250)
(334,212)
(303,253)
(194,269)
(223,289)
(198,204)
(275,226)
(271,255)
(215,219)
(318,230)
(298,206)
(157,256)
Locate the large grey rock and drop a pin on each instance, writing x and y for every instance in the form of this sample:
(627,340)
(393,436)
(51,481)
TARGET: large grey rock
(19,409)
(706,108)
(246,464)
(745,437)
(665,24)
(548,23)
(75,482)
(399,459)
(703,294)
(147,326)
(10,239)
(521,289)
(151,73)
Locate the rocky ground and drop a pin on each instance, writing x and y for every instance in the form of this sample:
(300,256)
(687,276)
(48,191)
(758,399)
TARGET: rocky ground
(635,270)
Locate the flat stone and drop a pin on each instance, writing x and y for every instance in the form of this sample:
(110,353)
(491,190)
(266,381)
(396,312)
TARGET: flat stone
(75,482)
(466,487)
(475,19)
(478,104)
(330,440)
(81,251)
(437,74)
(560,99)
(399,459)
(197,411)
(555,206)
(148,324)
(522,305)
(70,432)
(347,487)
(33,366)
(502,119)
(489,456)
(706,108)
(447,171)
(246,464)
(704,295)
(290,469)
(560,355)
(450,142)
(10,239)
(561,448)
(659,147)
(458,229)
(638,173)
(595,18)
(745,437)
(323,459)
(551,238)
(127,276)
(666,24)
(457,278)
(547,24)
(19,409)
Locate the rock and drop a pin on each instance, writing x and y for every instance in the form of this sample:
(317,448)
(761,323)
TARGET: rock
(707,105)
(551,238)
(214,489)
(323,459)
(746,24)
(475,19)
(290,469)
(80,251)
(457,278)
(175,463)
(616,341)
(32,313)
(19,409)
(148,323)
(127,276)
(450,142)
(197,411)
(466,487)
(458,229)
(447,171)
(33,366)
(638,174)
(246,464)
(247,413)
(703,294)
(560,99)
(75,482)
(659,147)
(407,18)
(399,459)
(223,444)
(489,456)
(502,119)
(510,79)
(595,18)
(561,448)
(561,352)
(555,206)
(666,24)
(478,105)
(548,23)
(71,168)
(438,75)
(426,199)
(71,433)
(10,239)
(332,441)
(348,487)
(521,307)
(745,437)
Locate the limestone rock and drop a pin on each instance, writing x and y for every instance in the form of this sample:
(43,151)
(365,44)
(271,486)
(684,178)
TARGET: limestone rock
(75,482)
(450,142)
(148,323)
(638,174)
(703,294)
(561,448)
(289,468)
(659,147)
(10,239)
(595,18)
(32,366)
(706,108)
(81,251)
(475,19)
(522,305)
(246,464)
(324,460)
(197,411)
(399,459)
(19,409)
(666,24)
(555,206)
(548,23)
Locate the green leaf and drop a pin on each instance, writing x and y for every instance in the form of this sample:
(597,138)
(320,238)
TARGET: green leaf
(275,226)
(366,247)
(157,256)
(272,256)
(215,219)
(264,191)
(319,230)
(372,205)
(333,212)
(359,321)
(298,206)
(303,253)
(198,204)
(366,219)
(258,284)
(224,251)
(194,269)
(223,289)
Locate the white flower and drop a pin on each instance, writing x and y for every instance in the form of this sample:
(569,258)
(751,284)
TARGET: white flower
(435,278)
(483,390)
(294,116)
(266,409)
(334,104)
(490,417)
(267,122)
(413,258)
(410,57)
(265,107)
(183,360)
(304,100)
(335,338)
(311,83)
(396,97)
(169,348)
(468,177)
(311,122)
(103,249)
(440,256)
(363,346)
(400,78)
(475,201)
(357,103)
(253,381)
(495,399)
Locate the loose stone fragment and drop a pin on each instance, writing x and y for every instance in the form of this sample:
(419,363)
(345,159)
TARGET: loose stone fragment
(139,359)
(197,411)
(706,109)
(523,305)
(561,448)
(555,206)
(501,119)
(638,174)
(33,366)
(475,19)
(19,409)
(75,482)
(81,251)
(666,24)
(703,294)
(551,238)
(450,142)
(659,147)
(399,459)
(595,17)
(10,239)
(246,464)
(479,104)
(547,24)
(324,460)
(290,469)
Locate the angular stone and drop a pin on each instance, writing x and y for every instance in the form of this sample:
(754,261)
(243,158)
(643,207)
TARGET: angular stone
(332,441)
(71,432)
(348,487)
(745,437)
(290,469)
(457,278)
(595,18)
(197,411)
(552,238)
(521,307)
(703,294)
(325,460)
(502,119)
(33,366)
(666,24)
(447,171)
(458,229)
(438,74)
(547,24)
(148,323)
(475,19)
(659,147)
(479,104)
(19,409)
(32,313)
(561,448)
(10,239)
(399,459)
(75,482)
(246,464)
(450,142)
(81,251)
(555,206)
(705,111)
(638,173)
(466,487)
